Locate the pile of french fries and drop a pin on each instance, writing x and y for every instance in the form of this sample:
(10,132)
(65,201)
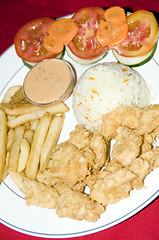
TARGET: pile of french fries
(28,135)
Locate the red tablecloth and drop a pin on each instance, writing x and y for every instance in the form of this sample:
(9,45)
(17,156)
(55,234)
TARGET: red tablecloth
(13,14)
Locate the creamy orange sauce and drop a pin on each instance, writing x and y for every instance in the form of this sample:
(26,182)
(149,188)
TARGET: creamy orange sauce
(47,81)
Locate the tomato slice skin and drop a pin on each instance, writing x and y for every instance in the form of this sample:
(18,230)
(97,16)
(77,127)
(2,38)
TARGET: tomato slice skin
(85,45)
(142,34)
(29,40)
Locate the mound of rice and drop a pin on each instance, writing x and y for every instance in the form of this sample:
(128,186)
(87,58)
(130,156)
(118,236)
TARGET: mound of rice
(104,87)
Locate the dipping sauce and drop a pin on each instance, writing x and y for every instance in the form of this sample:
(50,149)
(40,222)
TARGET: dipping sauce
(48,82)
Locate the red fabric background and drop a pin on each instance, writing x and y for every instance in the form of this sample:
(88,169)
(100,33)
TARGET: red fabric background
(15,13)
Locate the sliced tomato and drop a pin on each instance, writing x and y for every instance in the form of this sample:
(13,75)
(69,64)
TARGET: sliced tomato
(29,40)
(85,45)
(142,34)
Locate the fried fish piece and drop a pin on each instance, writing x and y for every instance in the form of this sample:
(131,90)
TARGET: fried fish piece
(80,137)
(148,120)
(113,187)
(69,163)
(152,157)
(141,168)
(39,194)
(47,177)
(78,206)
(127,146)
(99,146)
(113,166)
(121,116)
(148,140)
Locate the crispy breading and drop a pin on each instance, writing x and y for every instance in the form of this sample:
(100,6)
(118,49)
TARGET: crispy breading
(148,140)
(148,120)
(80,137)
(141,168)
(39,194)
(152,157)
(113,166)
(99,146)
(69,163)
(122,116)
(47,177)
(127,146)
(113,187)
(78,206)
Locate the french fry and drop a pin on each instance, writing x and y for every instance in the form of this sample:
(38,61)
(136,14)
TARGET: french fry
(18,96)
(15,149)
(3,141)
(18,179)
(24,155)
(9,94)
(10,138)
(28,135)
(19,108)
(54,109)
(7,158)
(51,140)
(37,143)
(34,124)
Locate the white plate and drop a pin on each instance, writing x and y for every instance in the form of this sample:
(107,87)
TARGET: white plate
(43,222)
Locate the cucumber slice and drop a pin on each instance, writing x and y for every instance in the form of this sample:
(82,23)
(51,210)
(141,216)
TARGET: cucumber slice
(84,61)
(32,64)
(135,61)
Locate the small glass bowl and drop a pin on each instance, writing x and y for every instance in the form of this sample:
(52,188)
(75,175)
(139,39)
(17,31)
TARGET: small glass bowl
(65,95)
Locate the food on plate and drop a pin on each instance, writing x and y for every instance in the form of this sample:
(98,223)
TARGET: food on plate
(122,116)
(12,163)
(127,146)
(79,206)
(30,116)
(11,93)
(113,30)
(3,141)
(84,48)
(24,155)
(104,87)
(88,35)
(51,140)
(39,194)
(74,168)
(113,187)
(80,177)
(135,61)
(48,82)
(141,38)
(59,34)
(20,137)
(37,144)
(29,41)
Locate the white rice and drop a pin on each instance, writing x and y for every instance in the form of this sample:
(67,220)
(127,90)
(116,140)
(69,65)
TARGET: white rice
(104,87)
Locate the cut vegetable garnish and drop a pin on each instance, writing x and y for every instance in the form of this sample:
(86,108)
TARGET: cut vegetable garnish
(84,47)
(60,33)
(142,34)
(114,29)
(29,40)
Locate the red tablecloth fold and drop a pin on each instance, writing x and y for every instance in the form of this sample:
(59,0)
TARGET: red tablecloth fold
(13,14)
